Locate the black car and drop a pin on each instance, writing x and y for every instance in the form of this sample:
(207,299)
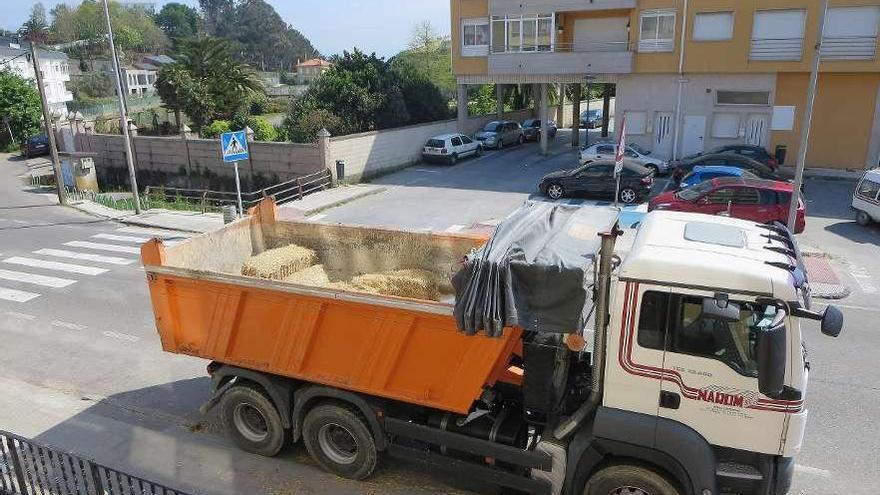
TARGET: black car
(597,179)
(726,160)
(532,129)
(757,153)
(35,146)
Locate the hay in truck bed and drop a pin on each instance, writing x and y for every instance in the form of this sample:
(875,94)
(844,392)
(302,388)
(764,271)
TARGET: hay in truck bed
(339,335)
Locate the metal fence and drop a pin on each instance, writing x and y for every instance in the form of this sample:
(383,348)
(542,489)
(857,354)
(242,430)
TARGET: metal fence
(28,468)
(208,200)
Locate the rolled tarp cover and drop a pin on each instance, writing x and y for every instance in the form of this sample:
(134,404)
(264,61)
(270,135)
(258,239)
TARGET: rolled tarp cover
(535,272)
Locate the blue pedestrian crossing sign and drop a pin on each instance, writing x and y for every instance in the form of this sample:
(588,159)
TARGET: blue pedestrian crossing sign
(234,146)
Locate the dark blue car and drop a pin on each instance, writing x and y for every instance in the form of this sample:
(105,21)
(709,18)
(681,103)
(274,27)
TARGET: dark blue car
(709,172)
(35,146)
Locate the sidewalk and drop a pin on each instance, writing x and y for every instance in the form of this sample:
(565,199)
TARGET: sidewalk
(826,173)
(195,222)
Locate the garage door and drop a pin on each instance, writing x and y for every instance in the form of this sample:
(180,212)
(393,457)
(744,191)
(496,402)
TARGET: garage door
(605,34)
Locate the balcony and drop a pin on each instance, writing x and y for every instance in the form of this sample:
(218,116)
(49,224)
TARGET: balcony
(594,57)
(506,7)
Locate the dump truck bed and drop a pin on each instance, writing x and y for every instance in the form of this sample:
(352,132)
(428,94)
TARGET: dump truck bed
(393,347)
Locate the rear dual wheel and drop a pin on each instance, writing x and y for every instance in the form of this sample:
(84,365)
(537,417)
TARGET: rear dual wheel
(340,441)
(252,421)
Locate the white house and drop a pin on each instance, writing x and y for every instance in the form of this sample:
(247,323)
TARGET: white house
(54,66)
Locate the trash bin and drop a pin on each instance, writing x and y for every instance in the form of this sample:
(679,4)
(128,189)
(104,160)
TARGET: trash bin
(230,213)
(78,171)
(780,153)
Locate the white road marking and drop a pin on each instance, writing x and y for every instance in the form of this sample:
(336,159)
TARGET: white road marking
(104,247)
(455,228)
(315,218)
(21,316)
(60,253)
(152,232)
(16,295)
(121,336)
(863,278)
(55,265)
(824,473)
(30,278)
(121,238)
(67,325)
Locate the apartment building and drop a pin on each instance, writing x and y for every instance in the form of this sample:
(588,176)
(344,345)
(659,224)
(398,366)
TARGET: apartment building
(55,68)
(691,75)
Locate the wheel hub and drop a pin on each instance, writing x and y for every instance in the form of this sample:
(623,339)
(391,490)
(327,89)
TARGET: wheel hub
(338,443)
(628,490)
(250,422)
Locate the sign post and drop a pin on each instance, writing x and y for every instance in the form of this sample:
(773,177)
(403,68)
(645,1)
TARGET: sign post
(234,147)
(618,159)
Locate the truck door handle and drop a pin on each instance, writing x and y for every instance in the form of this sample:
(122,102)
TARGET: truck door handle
(669,400)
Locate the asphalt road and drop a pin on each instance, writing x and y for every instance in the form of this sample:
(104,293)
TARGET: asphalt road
(83,369)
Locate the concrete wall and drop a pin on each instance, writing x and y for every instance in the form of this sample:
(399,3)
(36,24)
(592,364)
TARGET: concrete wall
(172,161)
(373,153)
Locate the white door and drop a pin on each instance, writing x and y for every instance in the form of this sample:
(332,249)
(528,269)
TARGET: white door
(662,135)
(605,34)
(756,130)
(693,132)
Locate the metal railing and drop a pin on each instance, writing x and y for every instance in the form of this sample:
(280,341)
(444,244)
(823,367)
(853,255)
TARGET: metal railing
(576,47)
(29,468)
(209,201)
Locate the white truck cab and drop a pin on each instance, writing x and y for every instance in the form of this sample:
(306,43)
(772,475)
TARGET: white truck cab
(704,349)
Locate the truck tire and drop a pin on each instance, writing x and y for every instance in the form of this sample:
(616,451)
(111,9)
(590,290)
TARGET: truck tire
(340,441)
(252,421)
(626,479)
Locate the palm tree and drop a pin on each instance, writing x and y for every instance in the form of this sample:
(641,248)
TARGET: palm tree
(35,29)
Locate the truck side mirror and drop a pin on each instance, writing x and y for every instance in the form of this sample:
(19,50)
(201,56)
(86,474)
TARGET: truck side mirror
(832,321)
(771,360)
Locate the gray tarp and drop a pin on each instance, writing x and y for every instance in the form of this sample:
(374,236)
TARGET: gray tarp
(536,271)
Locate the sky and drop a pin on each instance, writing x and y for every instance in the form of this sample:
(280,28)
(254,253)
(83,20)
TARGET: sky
(381,26)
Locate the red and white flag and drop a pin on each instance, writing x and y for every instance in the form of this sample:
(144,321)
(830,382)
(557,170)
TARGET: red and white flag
(621,147)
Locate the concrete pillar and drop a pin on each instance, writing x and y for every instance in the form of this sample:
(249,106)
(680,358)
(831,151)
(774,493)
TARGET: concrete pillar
(324,155)
(544,114)
(132,130)
(560,109)
(576,115)
(499,101)
(606,109)
(462,108)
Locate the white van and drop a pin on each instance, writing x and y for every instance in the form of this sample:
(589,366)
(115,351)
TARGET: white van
(865,201)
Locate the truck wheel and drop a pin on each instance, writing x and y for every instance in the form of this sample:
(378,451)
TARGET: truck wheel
(252,420)
(340,441)
(862,218)
(628,480)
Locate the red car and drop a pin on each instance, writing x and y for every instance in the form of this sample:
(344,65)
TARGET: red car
(759,200)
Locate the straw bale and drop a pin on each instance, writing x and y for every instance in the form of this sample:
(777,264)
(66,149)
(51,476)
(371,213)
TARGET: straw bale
(279,263)
(413,283)
(314,275)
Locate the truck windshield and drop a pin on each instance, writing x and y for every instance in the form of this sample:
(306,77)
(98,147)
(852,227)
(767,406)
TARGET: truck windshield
(677,322)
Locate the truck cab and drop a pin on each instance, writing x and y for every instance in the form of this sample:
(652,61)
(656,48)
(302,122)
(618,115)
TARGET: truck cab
(696,306)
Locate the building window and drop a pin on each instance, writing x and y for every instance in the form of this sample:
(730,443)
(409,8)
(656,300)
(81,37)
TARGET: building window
(850,33)
(474,37)
(523,33)
(657,31)
(778,35)
(752,98)
(713,26)
(725,125)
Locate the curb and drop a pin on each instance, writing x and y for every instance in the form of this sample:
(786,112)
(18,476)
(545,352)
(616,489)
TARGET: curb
(821,290)
(339,202)
(128,221)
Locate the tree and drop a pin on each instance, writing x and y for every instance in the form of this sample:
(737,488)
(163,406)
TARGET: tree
(36,28)
(425,42)
(206,82)
(19,106)
(178,20)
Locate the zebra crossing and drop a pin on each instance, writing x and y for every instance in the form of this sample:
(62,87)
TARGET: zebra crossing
(27,276)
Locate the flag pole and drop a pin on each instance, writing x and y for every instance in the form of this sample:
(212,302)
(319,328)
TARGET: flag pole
(618,161)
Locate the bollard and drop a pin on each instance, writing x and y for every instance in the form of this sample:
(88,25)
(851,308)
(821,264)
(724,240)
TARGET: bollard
(340,171)
(230,213)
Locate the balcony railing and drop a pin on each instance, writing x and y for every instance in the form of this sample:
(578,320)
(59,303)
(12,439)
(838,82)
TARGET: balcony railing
(849,48)
(777,49)
(576,47)
(612,57)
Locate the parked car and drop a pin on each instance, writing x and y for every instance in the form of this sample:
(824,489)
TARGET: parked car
(762,201)
(450,147)
(591,119)
(597,179)
(532,129)
(865,199)
(497,133)
(35,146)
(757,153)
(607,151)
(703,173)
(726,160)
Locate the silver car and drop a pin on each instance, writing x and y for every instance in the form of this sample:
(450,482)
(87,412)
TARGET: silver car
(606,151)
(498,133)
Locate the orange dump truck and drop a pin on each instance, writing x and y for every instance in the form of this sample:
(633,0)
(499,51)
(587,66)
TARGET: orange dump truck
(356,374)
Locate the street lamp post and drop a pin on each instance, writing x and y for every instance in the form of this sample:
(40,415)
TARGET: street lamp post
(50,132)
